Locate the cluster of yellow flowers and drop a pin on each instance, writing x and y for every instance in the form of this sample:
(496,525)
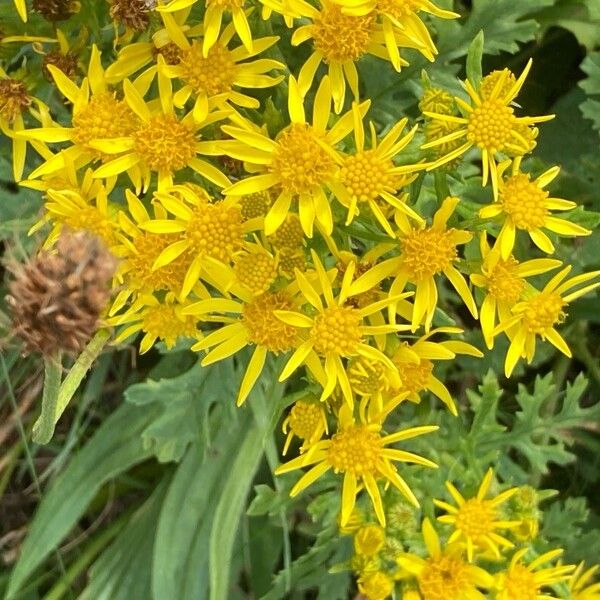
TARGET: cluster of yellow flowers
(237,226)
(473,563)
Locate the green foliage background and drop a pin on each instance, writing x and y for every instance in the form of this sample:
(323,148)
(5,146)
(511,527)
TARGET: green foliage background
(156,486)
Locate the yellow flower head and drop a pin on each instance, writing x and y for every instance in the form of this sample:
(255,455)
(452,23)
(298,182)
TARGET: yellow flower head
(369,539)
(524,205)
(444,574)
(306,420)
(375,585)
(538,315)
(525,582)
(475,520)
(301,162)
(504,282)
(334,329)
(580,584)
(359,451)
(490,125)
(369,175)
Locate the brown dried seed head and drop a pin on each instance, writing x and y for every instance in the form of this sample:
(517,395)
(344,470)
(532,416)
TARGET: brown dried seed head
(14,98)
(67,63)
(133,14)
(57,297)
(54,10)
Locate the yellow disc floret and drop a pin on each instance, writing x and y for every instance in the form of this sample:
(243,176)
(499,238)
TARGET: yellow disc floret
(369,539)
(490,126)
(305,419)
(211,75)
(256,205)
(165,144)
(365,176)
(339,37)
(427,252)
(164,322)
(263,326)
(256,271)
(355,449)
(414,377)
(524,201)
(438,101)
(488,83)
(300,162)
(366,376)
(504,282)
(289,236)
(337,330)
(519,584)
(376,585)
(444,577)
(475,518)
(542,312)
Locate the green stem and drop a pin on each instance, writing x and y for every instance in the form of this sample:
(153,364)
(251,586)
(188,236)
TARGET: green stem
(78,371)
(43,429)
(441,185)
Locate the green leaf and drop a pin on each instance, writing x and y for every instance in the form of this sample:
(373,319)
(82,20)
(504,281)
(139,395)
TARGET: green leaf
(114,448)
(474,57)
(591,107)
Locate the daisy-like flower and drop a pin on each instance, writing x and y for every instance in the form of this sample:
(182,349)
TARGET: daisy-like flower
(369,539)
(213,17)
(335,330)
(205,229)
(339,41)
(401,16)
(163,320)
(213,79)
(490,124)
(580,584)
(359,451)
(539,313)
(162,143)
(476,520)
(523,204)
(97,113)
(415,364)
(375,585)
(369,175)
(425,252)
(306,420)
(504,283)
(525,582)
(301,162)
(444,574)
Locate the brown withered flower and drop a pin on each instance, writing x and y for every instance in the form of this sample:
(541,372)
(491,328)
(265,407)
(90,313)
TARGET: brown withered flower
(66,62)
(57,297)
(133,14)
(55,10)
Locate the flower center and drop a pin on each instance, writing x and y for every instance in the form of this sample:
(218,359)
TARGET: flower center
(337,331)
(437,100)
(490,126)
(216,230)
(414,377)
(163,322)
(90,219)
(263,326)
(339,37)
(171,52)
(504,282)
(355,449)
(289,236)
(305,418)
(149,246)
(475,518)
(542,312)
(427,252)
(256,271)
(366,376)
(165,144)
(14,98)
(519,584)
(256,205)
(103,117)
(488,83)
(524,201)
(211,75)
(365,176)
(300,162)
(444,577)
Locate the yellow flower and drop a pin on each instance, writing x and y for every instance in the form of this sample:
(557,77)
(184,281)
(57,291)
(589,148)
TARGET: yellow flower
(359,451)
(369,539)
(578,584)
(426,252)
(158,320)
(476,520)
(335,329)
(414,363)
(375,585)
(97,113)
(524,205)
(490,124)
(301,162)
(369,175)
(504,283)
(524,582)
(538,314)
(206,229)
(212,79)
(306,420)
(213,17)
(444,574)
(339,41)
(162,143)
